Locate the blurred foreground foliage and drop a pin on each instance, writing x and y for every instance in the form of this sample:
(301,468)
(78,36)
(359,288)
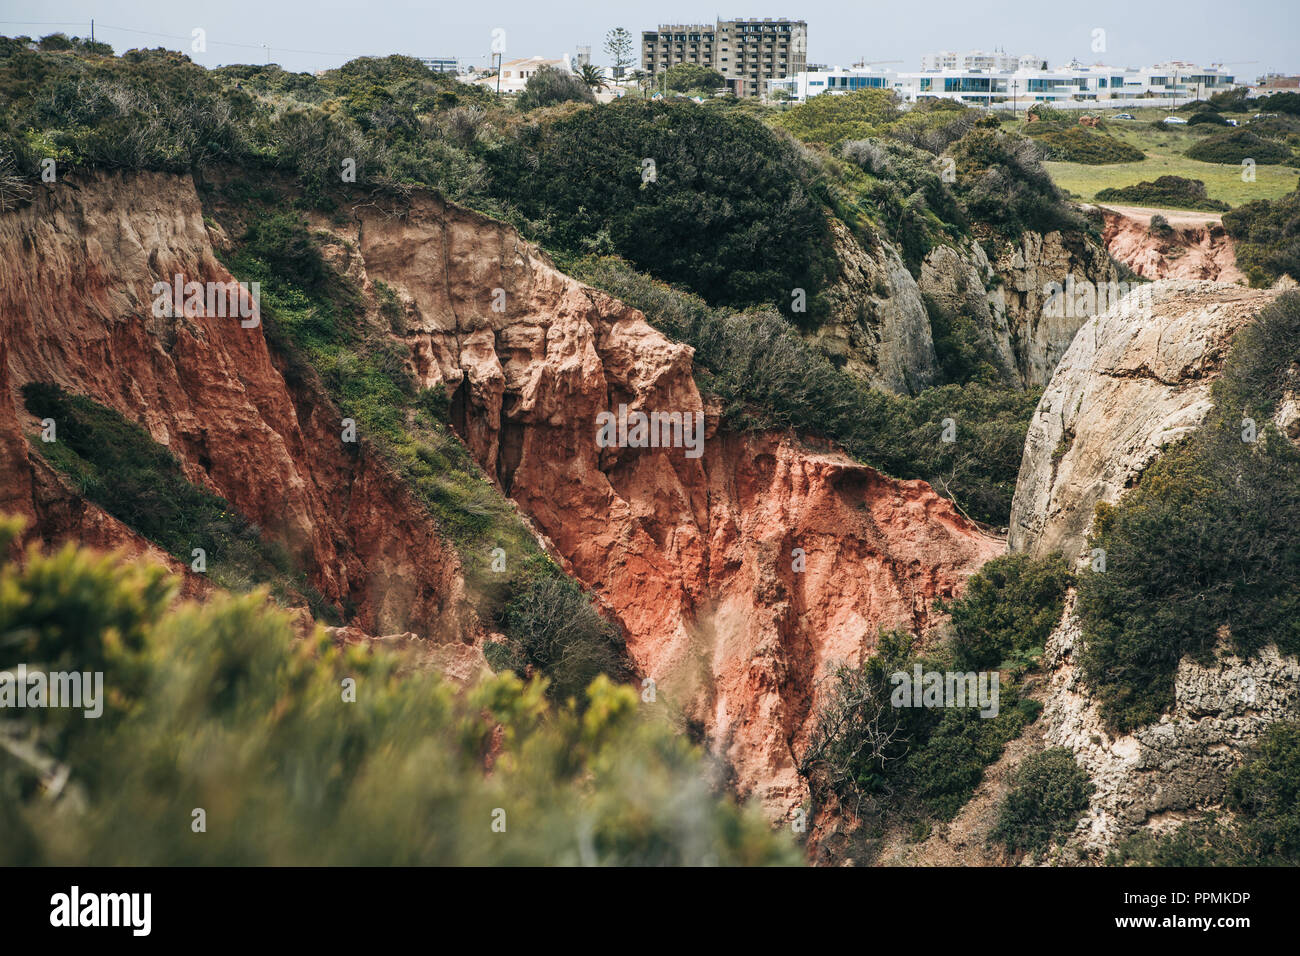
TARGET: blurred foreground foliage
(218,707)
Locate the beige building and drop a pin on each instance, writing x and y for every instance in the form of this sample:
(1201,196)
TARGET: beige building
(748,53)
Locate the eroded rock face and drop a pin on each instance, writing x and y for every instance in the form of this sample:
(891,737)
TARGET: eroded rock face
(1197,246)
(1135,378)
(879,328)
(77,269)
(1175,768)
(1028,268)
(736,576)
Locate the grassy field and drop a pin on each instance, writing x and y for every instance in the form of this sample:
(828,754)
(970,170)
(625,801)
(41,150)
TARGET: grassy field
(1165,157)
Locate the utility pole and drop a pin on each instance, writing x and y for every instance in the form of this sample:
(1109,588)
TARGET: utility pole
(92,31)
(497,57)
(1015,85)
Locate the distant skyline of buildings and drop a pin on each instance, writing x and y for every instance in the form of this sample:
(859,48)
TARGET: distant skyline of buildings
(998,79)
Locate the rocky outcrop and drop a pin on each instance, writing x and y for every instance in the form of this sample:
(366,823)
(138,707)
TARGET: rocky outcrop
(1196,246)
(1179,766)
(1135,378)
(737,576)
(77,270)
(879,329)
(1027,270)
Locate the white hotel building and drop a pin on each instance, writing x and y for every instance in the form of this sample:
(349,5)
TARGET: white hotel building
(1001,81)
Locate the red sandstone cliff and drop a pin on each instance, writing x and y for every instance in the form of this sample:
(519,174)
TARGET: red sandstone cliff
(693,557)
(77,267)
(1196,247)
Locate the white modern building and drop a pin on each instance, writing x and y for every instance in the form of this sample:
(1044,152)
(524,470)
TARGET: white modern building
(515,73)
(1001,81)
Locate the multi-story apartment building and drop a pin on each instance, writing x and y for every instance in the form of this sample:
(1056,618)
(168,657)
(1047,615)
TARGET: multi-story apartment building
(749,54)
(1023,81)
(441,64)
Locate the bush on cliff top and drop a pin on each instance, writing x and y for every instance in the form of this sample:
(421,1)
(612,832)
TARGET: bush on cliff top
(1173,192)
(1002,183)
(728,210)
(1267,236)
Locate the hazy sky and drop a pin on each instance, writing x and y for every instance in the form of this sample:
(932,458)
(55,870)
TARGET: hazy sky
(316,34)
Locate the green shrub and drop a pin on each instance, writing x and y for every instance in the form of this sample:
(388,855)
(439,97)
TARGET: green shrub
(1237,145)
(114,463)
(1206,118)
(1264,829)
(549,86)
(730,213)
(1009,608)
(1049,795)
(1078,144)
(1002,183)
(1159,227)
(1267,237)
(1172,192)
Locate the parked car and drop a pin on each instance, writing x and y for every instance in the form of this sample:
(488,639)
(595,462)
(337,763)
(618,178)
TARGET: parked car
(1175,121)
(1125,116)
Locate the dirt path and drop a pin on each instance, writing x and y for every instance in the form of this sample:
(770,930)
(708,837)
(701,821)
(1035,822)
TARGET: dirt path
(1176,217)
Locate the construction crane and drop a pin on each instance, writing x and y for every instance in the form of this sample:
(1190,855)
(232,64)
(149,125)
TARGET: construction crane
(864,62)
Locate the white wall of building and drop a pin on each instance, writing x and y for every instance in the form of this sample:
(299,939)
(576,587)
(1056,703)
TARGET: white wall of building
(1022,82)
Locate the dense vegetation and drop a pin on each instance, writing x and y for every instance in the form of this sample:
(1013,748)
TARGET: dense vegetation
(1173,192)
(217,708)
(883,766)
(1264,829)
(1267,234)
(1205,542)
(1049,794)
(706,198)
(1008,610)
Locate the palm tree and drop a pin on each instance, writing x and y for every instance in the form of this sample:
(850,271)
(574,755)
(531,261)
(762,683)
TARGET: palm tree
(592,77)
